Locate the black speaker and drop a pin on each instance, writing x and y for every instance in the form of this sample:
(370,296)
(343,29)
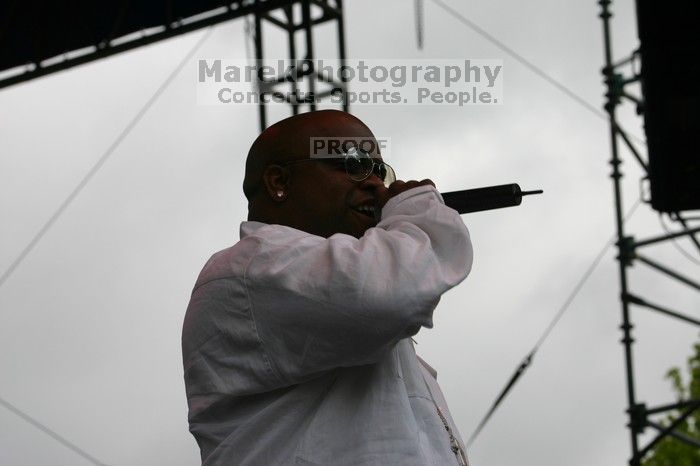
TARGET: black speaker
(670,53)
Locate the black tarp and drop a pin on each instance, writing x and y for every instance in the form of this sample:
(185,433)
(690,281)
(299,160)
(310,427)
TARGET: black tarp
(34,31)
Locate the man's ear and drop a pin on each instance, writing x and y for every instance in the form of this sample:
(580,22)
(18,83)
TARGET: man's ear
(276,180)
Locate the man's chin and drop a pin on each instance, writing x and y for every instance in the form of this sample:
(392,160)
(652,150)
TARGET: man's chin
(363,223)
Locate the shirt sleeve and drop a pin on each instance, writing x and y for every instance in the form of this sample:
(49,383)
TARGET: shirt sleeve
(320,303)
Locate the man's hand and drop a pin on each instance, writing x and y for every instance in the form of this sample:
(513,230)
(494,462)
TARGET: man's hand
(398,187)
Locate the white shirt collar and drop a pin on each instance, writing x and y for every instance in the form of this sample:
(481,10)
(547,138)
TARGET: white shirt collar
(249,227)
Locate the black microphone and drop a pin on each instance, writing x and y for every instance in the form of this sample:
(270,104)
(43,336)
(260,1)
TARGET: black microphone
(490,197)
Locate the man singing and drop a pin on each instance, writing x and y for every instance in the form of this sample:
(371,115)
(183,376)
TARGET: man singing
(297,342)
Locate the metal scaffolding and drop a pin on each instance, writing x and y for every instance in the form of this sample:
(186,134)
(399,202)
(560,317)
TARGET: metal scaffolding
(70,35)
(640,416)
(301,82)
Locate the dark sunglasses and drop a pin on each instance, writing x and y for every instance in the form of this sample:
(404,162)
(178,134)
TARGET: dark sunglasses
(359,165)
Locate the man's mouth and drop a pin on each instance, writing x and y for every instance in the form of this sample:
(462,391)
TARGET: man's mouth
(367,210)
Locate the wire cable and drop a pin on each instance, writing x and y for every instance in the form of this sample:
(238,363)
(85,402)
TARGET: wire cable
(525,62)
(525,363)
(684,221)
(13,409)
(101,161)
(64,205)
(675,243)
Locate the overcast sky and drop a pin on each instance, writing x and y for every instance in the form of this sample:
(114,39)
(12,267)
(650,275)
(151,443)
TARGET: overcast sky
(91,320)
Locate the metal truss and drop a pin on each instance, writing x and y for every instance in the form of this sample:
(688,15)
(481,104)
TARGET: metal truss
(298,86)
(106,46)
(280,13)
(640,416)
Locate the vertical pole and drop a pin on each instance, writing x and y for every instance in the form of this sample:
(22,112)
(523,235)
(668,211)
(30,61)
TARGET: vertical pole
(418,5)
(341,52)
(615,162)
(307,24)
(289,13)
(259,58)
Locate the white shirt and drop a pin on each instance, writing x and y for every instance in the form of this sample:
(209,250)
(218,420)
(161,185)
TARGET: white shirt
(297,348)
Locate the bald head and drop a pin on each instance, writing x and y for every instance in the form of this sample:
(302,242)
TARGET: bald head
(318,197)
(290,139)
